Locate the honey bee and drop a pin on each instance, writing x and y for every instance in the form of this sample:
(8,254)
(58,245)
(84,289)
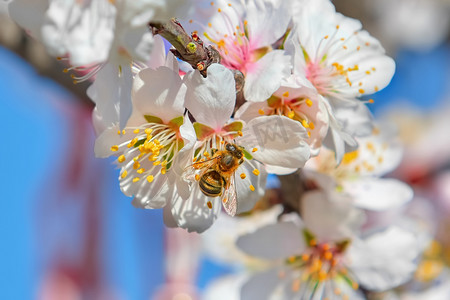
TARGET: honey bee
(215,176)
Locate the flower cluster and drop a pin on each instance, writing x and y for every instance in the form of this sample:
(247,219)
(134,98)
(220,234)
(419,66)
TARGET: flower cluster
(248,88)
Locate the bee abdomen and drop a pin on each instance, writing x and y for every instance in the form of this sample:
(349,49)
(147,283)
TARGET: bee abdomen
(211,184)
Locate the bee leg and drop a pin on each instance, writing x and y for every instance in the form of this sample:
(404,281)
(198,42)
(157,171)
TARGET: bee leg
(241,161)
(213,151)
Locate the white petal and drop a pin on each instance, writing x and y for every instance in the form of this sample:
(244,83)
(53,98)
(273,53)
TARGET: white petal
(29,14)
(246,198)
(276,241)
(384,260)
(109,138)
(378,193)
(211,100)
(330,217)
(158,55)
(279,140)
(261,285)
(265,75)
(159,93)
(193,213)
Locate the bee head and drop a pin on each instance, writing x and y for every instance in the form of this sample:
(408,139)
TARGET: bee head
(236,150)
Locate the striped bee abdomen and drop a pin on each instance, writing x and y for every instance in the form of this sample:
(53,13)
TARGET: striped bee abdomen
(211,183)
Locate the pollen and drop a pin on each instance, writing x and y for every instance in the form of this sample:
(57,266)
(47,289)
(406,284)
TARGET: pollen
(148,130)
(136,165)
(305,124)
(361,91)
(291,114)
(197,177)
(136,131)
(240,133)
(124,174)
(243,175)
(219,10)
(376,88)
(322,275)
(252,188)
(261,112)
(305,257)
(209,204)
(254,149)
(150,178)
(118,132)
(121,158)
(371,101)
(209,25)
(256,172)
(285,94)
(225,200)
(308,102)
(355,285)
(140,171)
(156,163)
(328,255)
(312,243)
(114,148)
(311,125)
(136,179)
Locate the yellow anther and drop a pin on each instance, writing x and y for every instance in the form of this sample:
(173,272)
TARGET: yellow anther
(150,178)
(285,94)
(370,146)
(156,163)
(256,172)
(337,26)
(345,47)
(322,275)
(292,259)
(229,4)
(148,130)
(123,131)
(376,88)
(309,133)
(291,114)
(136,179)
(124,174)
(350,156)
(309,102)
(136,131)
(197,177)
(206,153)
(371,101)
(373,69)
(305,124)
(240,133)
(212,3)
(209,25)
(209,204)
(243,175)
(328,255)
(163,171)
(121,158)
(114,148)
(222,142)
(368,72)
(65,70)
(118,132)
(311,125)
(305,257)
(225,200)
(295,285)
(136,165)
(312,243)
(355,285)
(254,149)
(358,48)
(140,171)
(252,188)
(261,112)
(380,159)
(342,39)
(367,44)
(219,10)
(326,37)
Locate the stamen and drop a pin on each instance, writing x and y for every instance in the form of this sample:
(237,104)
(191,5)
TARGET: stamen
(121,158)
(243,175)
(114,148)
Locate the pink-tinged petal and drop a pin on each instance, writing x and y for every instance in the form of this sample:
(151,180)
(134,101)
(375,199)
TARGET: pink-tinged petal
(159,93)
(264,76)
(278,140)
(193,213)
(275,241)
(261,285)
(378,193)
(385,259)
(249,187)
(330,216)
(211,100)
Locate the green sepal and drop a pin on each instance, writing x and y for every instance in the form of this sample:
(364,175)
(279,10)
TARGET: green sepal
(233,126)
(247,154)
(138,143)
(153,119)
(306,56)
(202,131)
(308,236)
(343,245)
(274,101)
(177,122)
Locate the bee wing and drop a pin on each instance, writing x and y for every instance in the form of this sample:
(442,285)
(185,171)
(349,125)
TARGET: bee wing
(229,197)
(198,168)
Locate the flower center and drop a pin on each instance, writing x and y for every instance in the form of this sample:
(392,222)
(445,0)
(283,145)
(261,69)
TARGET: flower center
(152,149)
(319,264)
